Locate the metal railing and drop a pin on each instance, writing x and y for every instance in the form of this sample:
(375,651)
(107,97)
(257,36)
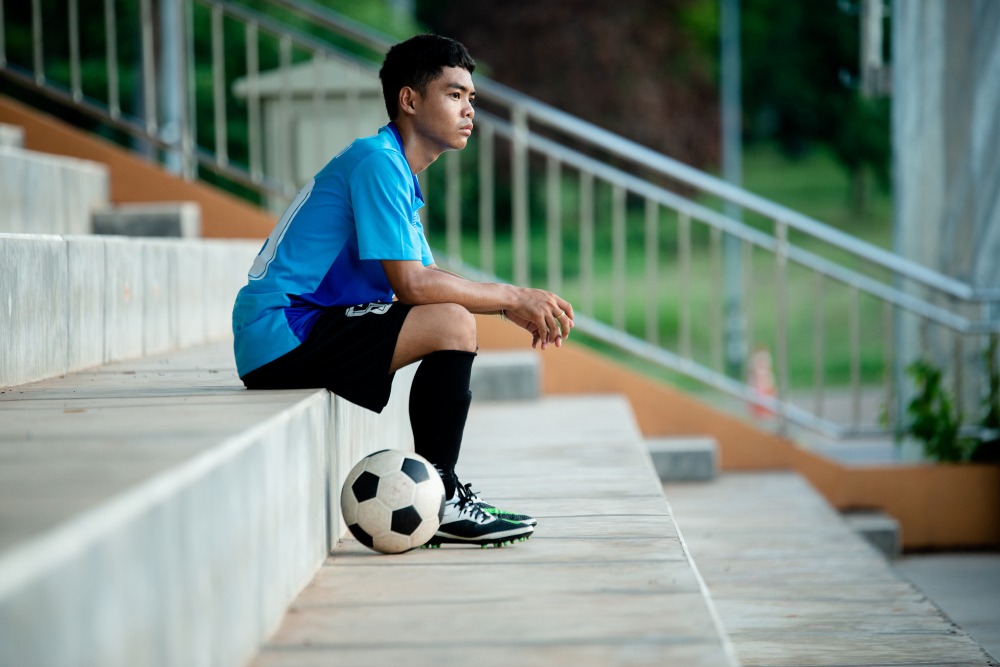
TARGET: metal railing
(632,237)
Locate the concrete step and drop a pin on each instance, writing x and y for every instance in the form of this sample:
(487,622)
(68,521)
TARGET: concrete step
(154,512)
(605,580)
(74,302)
(878,528)
(505,375)
(158,219)
(795,585)
(685,459)
(11,136)
(48,194)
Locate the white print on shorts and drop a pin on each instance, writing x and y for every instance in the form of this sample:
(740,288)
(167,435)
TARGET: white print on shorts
(365,308)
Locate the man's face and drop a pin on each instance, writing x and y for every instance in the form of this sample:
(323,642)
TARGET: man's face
(445,111)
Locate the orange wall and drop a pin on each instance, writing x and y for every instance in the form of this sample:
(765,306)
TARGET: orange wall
(937,506)
(133,179)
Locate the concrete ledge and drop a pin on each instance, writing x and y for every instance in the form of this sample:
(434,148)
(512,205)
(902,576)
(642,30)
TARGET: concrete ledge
(49,194)
(168,219)
(11,136)
(506,376)
(878,528)
(157,513)
(73,302)
(684,459)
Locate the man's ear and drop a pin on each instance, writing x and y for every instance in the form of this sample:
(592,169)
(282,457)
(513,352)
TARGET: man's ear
(408,99)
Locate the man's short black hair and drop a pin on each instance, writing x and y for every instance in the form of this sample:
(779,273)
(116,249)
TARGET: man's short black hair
(416,62)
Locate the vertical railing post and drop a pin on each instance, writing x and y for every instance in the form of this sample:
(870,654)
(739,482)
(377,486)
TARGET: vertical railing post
(748,292)
(187,92)
(652,296)
(319,141)
(888,354)
(219,87)
(3,37)
(36,38)
(519,166)
(287,151)
(171,77)
(819,357)
(619,291)
(781,308)
(253,104)
(854,322)
(553,224)
(111,49)
(453,206)
(587,242)
(684,282)
(76,87)
(716,311)
(487,226)
(148,66)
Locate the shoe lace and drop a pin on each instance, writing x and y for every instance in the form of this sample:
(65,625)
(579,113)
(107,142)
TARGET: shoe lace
(472,494)
(468,504)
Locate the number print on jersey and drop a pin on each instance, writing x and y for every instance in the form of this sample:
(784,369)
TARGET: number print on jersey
(270,249)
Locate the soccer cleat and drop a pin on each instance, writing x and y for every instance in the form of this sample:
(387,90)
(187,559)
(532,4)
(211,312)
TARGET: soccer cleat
(513,517)
(464,521)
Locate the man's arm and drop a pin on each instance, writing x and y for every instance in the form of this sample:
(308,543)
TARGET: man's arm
(544,314)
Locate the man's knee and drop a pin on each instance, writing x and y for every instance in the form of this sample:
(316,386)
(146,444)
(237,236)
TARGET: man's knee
(458,327)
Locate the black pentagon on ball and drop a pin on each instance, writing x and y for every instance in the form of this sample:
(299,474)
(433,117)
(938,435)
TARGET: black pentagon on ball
(415,470)
(361,536)
(406,520)
(365,487)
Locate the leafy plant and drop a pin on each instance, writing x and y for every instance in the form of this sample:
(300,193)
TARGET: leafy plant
(936,421)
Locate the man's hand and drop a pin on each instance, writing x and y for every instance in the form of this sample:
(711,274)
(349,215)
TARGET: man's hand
(546,316)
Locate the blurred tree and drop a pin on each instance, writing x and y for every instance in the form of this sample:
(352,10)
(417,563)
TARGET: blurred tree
(649,70)
(800,86)
(633,68)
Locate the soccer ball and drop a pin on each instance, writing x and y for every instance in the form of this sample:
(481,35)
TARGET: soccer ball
(392,501)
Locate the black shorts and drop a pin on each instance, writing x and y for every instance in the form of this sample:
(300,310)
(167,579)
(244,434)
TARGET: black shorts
(349,351)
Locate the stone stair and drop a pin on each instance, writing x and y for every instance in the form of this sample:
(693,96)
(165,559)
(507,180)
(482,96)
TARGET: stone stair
(154,512)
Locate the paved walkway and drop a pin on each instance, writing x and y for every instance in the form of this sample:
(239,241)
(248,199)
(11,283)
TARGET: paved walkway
(604,581)
(967,588)
(793,585)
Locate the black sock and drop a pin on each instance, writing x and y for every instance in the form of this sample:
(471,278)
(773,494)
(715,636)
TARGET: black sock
(439,406)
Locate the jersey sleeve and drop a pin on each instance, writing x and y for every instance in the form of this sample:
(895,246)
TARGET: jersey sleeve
(382,197)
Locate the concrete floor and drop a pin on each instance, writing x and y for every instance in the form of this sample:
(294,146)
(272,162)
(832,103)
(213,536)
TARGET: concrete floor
(966,586)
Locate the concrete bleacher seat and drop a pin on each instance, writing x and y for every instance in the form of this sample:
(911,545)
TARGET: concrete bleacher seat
(11,136)
(152,511)
(47,194)
(684,459)
(169,219)
(156,512)
(506,376)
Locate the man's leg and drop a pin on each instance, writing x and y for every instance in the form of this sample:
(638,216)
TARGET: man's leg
(443,337)
(431,328)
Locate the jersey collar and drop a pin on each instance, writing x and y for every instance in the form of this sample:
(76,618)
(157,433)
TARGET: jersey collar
(394,132)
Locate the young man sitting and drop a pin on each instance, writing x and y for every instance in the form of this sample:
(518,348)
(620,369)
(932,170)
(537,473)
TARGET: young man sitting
(345,291)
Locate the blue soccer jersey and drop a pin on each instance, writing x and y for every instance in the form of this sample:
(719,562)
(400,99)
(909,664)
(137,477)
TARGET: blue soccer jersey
(326,249)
